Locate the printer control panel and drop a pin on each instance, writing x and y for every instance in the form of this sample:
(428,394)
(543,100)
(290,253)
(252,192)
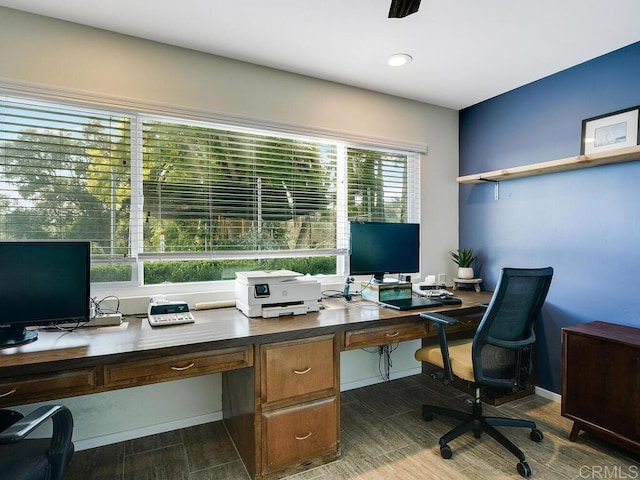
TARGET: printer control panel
(261,290)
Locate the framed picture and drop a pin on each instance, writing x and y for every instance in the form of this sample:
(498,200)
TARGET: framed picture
(610,132)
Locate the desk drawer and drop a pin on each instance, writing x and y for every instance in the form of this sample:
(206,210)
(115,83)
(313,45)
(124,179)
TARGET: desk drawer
(141,372)
(465,323)
(300,433)
(368,337)
(298,368)
(34,388)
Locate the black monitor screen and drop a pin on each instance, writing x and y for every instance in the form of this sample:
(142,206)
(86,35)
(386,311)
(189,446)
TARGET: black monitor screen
(377,248)
(43,282)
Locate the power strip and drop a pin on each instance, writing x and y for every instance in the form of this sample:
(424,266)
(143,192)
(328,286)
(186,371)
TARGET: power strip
(103,320)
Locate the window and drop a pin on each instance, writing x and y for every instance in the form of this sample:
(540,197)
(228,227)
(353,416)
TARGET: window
(172,200)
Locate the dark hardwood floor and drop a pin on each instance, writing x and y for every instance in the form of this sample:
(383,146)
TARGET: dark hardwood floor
(383,437)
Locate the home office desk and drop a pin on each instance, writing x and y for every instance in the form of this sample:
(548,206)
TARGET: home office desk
(280,377)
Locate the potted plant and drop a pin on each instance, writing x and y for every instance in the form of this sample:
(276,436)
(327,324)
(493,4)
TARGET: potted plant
(464,258)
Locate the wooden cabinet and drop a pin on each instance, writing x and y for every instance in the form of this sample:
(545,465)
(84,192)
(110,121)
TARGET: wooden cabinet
(290,405)
(299,404)
(601,381)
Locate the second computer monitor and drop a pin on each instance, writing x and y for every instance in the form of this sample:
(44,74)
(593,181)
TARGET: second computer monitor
(378,248)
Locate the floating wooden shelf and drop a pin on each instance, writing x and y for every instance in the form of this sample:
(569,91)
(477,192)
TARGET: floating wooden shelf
(628,154)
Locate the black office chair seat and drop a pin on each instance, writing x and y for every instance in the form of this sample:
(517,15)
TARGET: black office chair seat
(498,357)
(24,458)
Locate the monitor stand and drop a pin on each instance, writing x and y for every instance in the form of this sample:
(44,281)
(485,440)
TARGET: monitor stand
(379,279)
(14,336)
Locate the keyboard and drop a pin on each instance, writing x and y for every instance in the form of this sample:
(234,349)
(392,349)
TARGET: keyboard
(411,303)
(436,292)
(450,300)
(166,319)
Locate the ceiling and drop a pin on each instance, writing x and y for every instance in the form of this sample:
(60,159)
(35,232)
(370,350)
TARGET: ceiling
(464,51)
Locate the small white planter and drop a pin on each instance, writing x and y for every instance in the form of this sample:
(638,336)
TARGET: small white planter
(465,273)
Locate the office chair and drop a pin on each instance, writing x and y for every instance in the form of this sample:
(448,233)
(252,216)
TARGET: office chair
(39,458)
(498,357)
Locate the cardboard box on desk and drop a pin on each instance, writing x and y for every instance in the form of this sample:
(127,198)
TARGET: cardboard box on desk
(380,292)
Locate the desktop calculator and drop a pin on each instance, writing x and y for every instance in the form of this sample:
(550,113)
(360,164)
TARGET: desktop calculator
(163,313)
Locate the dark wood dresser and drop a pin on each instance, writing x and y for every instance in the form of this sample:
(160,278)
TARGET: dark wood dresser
(601,381)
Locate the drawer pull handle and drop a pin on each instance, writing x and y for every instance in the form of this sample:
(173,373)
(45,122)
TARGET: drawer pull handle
(391,335)
(181,369)
(304,437)
(10,392)
(302,372)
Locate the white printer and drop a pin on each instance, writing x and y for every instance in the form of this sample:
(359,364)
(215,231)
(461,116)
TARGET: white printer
(275,293)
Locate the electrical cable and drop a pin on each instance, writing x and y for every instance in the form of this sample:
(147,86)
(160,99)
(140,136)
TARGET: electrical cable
(332,293)
(384,362)
(98,309)
(367,285)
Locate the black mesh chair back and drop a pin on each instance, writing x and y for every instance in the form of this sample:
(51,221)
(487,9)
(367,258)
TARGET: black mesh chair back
(503,342)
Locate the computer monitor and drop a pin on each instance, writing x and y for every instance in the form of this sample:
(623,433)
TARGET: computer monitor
(42,283)
(378,248)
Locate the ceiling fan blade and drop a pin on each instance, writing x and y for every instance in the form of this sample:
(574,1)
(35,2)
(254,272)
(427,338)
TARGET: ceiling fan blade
(402,8)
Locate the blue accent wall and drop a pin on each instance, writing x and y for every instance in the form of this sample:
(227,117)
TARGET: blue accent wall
(584,223)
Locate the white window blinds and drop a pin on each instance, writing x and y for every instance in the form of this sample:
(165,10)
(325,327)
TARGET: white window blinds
(213,190)
(64,174)
(379,184)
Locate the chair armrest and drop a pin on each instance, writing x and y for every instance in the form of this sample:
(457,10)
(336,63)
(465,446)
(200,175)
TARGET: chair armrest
(28,424)
(60,447)
(439,319)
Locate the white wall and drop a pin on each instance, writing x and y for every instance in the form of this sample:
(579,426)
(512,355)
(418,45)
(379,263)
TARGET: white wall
(37,53)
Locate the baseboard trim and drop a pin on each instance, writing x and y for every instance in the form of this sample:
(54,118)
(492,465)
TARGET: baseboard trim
(556,397)
(112,438)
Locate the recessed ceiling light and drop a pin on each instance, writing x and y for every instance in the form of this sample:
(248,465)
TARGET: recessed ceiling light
(399,59)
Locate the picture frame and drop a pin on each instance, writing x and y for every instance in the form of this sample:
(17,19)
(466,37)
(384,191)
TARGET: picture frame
(610,131)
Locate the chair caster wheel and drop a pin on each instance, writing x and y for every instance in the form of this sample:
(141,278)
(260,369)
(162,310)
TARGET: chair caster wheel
(427,415)
(477,434)
(524,469)
(445,451)
(536,435)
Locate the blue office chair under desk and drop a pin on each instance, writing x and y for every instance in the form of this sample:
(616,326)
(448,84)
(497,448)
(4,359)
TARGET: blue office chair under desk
(498,357)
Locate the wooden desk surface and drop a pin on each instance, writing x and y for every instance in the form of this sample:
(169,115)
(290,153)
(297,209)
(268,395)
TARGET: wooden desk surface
(221,328)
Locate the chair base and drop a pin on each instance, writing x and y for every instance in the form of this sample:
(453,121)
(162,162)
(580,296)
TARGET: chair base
(477,423)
